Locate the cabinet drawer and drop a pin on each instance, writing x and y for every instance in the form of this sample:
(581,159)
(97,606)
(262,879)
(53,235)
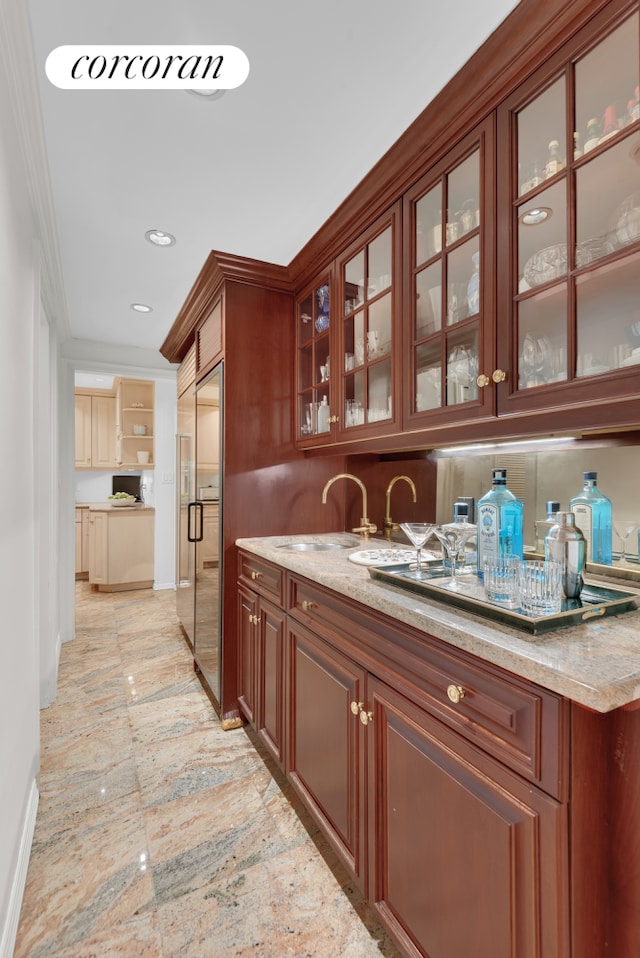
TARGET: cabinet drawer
(261,576)
(521,724)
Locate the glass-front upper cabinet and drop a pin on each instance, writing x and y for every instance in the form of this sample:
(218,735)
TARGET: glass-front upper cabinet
(366,350)
(313,367)
(449,310)
(574,210)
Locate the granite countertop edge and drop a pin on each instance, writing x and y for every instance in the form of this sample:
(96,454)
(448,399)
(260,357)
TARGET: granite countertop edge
(596,663)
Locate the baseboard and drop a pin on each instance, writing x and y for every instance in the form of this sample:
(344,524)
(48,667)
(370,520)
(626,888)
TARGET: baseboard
(10,930)
(164,585)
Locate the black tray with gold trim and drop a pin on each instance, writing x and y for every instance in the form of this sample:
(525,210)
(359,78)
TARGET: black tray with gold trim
(596,601)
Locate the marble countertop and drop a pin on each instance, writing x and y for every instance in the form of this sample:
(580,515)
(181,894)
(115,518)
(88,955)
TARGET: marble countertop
(596,663)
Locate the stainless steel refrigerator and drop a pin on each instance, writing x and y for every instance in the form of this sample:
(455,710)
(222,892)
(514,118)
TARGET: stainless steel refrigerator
(199,523)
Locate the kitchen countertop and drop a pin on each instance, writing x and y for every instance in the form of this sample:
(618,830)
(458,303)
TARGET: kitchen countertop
(108,507)
(596,663)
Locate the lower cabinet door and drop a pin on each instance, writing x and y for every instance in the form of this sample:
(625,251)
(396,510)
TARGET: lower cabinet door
(466,859)
(326,752)
(247,653)
(271,631)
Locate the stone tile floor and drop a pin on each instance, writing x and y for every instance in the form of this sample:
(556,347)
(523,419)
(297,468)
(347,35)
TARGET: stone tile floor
(158,834)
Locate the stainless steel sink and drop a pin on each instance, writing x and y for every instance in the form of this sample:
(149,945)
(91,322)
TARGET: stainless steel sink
(314,546)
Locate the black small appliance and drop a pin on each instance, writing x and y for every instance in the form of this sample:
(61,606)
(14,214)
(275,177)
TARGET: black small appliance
(128,484)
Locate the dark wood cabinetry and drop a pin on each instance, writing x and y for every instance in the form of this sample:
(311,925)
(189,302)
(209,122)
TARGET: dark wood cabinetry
(466,858)
(441,781)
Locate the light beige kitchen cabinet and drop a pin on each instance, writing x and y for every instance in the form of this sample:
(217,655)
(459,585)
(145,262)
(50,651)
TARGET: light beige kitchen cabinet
(135,423)
(95,431)
(121,546)
(82,541)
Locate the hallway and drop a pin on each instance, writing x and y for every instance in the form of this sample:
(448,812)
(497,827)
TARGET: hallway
(159,835)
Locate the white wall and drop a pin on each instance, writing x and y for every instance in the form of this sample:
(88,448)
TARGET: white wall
(19,653)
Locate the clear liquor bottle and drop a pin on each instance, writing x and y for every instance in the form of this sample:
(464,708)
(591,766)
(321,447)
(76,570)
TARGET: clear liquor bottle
(593,513)
(499,517)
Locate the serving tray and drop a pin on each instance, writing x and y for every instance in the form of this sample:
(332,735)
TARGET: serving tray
(596,601)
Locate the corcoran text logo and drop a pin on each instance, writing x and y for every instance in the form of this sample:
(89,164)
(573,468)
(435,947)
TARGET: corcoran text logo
(96,67)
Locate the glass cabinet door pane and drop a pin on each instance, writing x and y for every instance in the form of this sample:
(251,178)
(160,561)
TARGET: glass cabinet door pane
(379,332)
(463,282)
(463,198)
(428,385)
(379,392)
(354,399)
(428,300)
(541,124)
(428,228)
(354,283)
(606,81)
(379,266)
(542,339)
(542,238)
(608,317)
(608,202)
(462,367)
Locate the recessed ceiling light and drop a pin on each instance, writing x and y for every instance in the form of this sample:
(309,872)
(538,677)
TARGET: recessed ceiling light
(537,214)
(141,308)
(160,238)
(208,94)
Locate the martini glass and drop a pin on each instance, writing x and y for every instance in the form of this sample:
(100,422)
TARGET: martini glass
(623,530)
(418,533)
(453,536)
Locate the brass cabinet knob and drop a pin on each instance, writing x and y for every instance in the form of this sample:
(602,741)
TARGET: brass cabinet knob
(307,606)
(334,419)
(498,375)
(366,717)
(455,693)
(357,707)
(256,575)
(255,619)
(482,381)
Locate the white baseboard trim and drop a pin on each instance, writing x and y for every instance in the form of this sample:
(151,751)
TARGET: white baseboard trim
(10,930)
(164,585)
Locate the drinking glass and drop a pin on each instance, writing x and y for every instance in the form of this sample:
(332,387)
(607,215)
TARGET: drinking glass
(540,586)
(623,530)
(418,533)
(453,536)
(501,580)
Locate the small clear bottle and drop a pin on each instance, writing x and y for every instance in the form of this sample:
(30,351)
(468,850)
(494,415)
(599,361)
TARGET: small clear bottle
(593,514)
(543,525)
(593,134)
(499,517)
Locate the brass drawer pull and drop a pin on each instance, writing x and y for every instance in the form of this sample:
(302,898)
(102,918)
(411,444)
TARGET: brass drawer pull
(307,605)
(455,693)
(257,575)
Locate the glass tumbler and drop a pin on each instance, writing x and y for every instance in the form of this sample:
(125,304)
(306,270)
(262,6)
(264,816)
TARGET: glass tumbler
(501,580)
(540,587)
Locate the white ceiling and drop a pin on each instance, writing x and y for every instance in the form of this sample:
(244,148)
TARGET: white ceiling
(331,86)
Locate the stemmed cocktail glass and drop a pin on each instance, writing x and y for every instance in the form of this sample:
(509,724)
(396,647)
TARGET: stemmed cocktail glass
(623,530)
(454,536)
(418,533)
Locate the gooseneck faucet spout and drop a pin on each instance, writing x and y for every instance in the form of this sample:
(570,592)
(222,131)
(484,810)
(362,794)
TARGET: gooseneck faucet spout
(389,525)
(365,528)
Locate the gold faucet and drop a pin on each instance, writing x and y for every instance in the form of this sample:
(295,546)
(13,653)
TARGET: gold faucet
(389,525)
(365,528)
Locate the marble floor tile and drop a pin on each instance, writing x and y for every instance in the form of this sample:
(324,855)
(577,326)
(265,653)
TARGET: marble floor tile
(159,835)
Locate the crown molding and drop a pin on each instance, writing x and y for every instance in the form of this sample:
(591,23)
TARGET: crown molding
(16,55)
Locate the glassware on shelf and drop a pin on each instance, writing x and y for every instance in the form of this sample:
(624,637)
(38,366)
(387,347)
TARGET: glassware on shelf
(473,288)
(454,536)
(555,162)
(418,534)
(593,135)
(623,530)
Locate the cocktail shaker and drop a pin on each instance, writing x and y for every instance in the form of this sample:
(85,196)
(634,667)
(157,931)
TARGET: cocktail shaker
(565,543)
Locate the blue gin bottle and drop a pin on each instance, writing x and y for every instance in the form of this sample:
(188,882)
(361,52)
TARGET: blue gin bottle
(499,517)
(593,515)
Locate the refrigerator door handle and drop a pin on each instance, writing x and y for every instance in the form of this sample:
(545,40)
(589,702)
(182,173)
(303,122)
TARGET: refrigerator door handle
(198,537)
